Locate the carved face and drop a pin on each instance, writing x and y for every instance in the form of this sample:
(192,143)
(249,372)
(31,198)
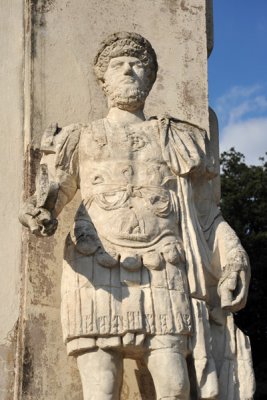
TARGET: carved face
(125,83)
(125,70)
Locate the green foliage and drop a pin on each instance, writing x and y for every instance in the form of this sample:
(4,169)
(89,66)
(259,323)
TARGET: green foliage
(244,206)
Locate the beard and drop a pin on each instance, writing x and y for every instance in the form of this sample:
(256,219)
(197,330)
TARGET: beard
(126,97)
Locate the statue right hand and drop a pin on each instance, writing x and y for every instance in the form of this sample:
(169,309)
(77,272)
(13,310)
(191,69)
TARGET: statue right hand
(39,220)
(46,223)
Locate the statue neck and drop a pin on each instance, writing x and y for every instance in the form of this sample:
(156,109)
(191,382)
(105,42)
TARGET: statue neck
(125,117)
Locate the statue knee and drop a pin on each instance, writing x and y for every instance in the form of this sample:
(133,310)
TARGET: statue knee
(101,375)
(178,391)
(169,374)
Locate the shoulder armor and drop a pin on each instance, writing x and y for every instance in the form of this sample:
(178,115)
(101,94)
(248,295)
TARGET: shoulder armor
(167,119)
(54,136)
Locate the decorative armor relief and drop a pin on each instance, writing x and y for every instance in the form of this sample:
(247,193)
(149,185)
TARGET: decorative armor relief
(126,231)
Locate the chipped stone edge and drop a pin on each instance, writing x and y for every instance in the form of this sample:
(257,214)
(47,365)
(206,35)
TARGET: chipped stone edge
(209,26)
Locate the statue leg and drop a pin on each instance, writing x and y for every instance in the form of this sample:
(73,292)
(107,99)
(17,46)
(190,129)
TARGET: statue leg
(168,369)
(101,374)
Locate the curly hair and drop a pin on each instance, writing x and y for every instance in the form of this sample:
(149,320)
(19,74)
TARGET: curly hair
(126,44)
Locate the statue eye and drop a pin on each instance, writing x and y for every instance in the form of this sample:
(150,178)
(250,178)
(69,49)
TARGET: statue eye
(138,64)
(116,64)
(97,179)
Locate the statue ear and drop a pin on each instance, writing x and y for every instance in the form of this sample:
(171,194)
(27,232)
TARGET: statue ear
(101,83)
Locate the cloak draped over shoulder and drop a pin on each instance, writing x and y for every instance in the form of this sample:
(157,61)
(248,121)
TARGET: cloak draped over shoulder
(183,148)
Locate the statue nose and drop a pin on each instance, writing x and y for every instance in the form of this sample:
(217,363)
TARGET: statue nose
(127,69)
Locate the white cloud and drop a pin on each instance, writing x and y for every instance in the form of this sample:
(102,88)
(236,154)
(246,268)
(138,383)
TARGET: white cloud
(242,114)
(249,137)
(240,102)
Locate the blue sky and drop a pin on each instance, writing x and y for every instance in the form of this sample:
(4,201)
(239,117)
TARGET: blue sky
(238,75)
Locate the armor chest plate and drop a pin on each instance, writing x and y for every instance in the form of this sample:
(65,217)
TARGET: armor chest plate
(121,154)
(127,188)
(103,141)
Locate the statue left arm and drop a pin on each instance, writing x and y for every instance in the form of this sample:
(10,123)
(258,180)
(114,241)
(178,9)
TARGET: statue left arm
(232,264)
(185,148)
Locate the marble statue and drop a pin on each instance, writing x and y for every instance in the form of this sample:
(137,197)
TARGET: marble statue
(151,270)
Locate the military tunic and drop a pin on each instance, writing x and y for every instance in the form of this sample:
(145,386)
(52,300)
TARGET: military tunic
(131,277)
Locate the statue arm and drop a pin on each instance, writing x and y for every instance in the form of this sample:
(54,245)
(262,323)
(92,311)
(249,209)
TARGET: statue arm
(185,149)
(56,183)
(231,265)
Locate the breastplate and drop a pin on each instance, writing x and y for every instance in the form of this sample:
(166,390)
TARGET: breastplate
(127,188)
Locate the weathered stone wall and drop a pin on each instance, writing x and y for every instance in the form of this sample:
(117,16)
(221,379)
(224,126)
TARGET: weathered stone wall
(61,40)
(11,167)
(66,36)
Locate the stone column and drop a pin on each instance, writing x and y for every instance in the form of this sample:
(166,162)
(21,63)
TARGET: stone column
(54,62)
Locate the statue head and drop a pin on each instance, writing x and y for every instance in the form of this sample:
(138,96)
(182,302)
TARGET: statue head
(126,68)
